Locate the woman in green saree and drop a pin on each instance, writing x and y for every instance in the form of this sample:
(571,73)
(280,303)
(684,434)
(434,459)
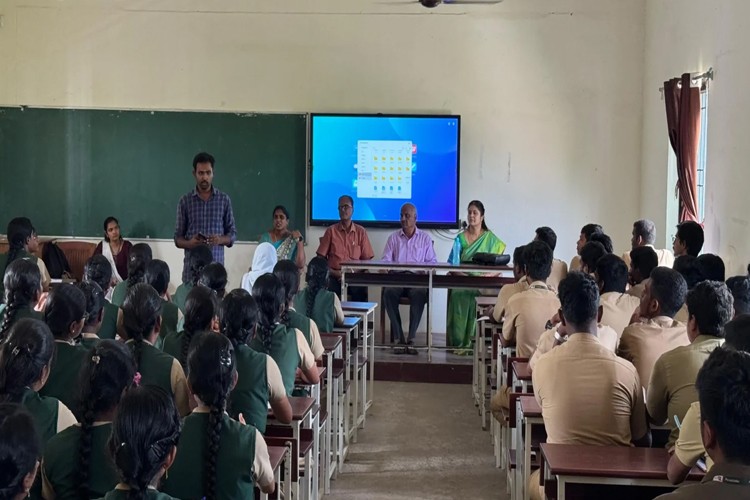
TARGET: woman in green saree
(461,307)
(289,245)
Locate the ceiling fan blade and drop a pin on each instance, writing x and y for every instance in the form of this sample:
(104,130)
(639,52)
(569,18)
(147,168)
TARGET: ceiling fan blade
(471,2)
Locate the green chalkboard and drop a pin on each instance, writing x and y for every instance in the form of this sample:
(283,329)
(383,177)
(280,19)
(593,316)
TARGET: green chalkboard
(68,169)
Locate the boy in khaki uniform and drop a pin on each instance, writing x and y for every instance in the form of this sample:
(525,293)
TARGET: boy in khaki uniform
(588,395)
(559,268)
(549,340)
(723,392)
(671,389)
(507,291)
(612,276)
(643,260)
(586,231)
(656,332)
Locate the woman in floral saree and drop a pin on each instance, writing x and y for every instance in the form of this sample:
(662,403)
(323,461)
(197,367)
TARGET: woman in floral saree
(289,245)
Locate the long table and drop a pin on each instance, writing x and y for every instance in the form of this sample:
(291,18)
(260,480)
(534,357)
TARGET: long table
(430,276)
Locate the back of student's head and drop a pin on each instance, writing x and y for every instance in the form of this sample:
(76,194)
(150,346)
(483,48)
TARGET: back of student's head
(141,310)
(518,262)
(211,372)
(140,256)
(723,385)
(288,273)
(591,253)
(710,267)
(144,432)
(537,256)
(712,306)
(157,275)
(590,229)
(668,287)
(643,260)
(23,284)
(24,354)
(605,240)
(737,333)
(687,266)
(239,315)
(198,258)
(214,276)
(99,270)
(579,298)
(646,230)
(268,293)
(740,288)
(201,307)
(612,273)
(19,232)
(94,301)
(107,370)
(20,448)
(690,233)
(317,279)
(547,235)
(64,310)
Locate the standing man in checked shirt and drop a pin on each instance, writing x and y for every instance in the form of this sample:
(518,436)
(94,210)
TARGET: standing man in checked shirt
(204,215)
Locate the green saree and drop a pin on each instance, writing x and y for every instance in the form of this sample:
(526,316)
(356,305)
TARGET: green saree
(461,305)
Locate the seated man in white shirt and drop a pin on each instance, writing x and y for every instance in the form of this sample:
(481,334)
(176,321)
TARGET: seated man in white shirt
(644,234)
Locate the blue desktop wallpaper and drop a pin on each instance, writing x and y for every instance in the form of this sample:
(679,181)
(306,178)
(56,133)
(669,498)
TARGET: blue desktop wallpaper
(434,181)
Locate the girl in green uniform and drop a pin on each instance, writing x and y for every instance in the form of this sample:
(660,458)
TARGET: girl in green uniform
(107,372)
(158,276)
(198,258)
(22,244)
(19,451)
(99,270)
(94,310)
(286,345)
(259,379)
(65,313)
(23,288)
(218,457)
(201,315)
(141,319)
(140,256)
(288,273)
(214,276)
(143,443)
(316,301)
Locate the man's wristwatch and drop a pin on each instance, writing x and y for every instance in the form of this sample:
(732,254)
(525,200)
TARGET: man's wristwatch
(559,338)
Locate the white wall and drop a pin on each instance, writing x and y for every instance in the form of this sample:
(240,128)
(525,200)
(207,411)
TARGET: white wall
(550,90)
(689,36)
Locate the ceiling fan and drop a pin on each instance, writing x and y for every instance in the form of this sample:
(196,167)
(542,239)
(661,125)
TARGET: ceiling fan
(434,3)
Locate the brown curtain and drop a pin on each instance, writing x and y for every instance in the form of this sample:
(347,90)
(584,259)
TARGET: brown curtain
(684,124)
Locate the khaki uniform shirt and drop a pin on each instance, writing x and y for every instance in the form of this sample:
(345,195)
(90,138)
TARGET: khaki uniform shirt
(665,257)
(689,446)
(575,264)
(643,343)
(671,389)
(589,395)
(506,292)
(682,315)
(637,290)
(618,308)
(715,490)
(276,389)
(559,272)
(606,336)
(527,314)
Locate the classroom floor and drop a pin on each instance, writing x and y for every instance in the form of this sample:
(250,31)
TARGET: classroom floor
(422,441)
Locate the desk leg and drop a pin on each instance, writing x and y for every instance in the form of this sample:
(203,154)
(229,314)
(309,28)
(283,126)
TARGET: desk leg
(429,317)
(371,391)
(526,458)
(560,488)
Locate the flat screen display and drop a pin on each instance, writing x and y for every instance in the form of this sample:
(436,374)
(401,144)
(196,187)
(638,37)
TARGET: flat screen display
(382,162)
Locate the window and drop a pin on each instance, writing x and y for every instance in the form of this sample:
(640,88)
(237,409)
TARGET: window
(702,153)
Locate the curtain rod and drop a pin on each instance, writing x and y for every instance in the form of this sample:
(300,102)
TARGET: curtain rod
(696,77)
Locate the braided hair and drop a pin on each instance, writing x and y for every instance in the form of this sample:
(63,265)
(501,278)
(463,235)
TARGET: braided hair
(94,301)
(157,275)
(65,306)
(239,315)
(140,256)
(107,371)
(19,231)
(141,310)
(23,356)
(145,431)
(317,280)
(269,295)
(20,448)
(99,270)
(214,276)
(198,258)
(288,273)
(211,371)
(23,284)
(201,307)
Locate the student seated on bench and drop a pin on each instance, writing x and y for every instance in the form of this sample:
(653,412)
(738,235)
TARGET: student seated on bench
(612,278)
(656,331)
(559,268)
(688,240)
(497,312)
(689,446)
(740,288)
(588,395)
(723,385)
(586,232)
(643,260)
(671,389)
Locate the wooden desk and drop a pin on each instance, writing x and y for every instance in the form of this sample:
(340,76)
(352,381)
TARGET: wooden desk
(364,310)
(483,331)
(610,465)
(522,375)
(351,328)
(529,431)
(278,456)
(303,417)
